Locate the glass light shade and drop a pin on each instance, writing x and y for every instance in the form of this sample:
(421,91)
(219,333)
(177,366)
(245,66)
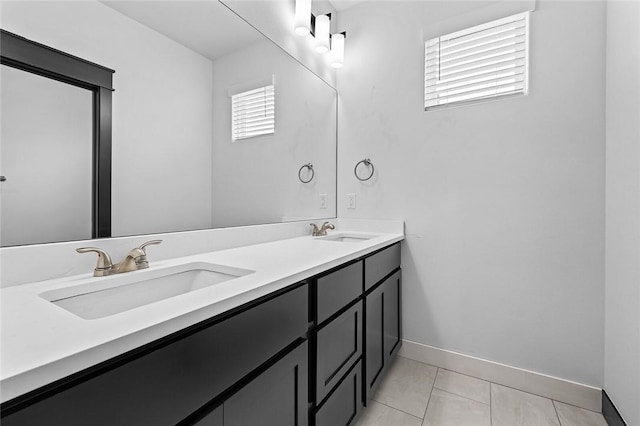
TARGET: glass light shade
(337,50)
(322,33)
(303,17)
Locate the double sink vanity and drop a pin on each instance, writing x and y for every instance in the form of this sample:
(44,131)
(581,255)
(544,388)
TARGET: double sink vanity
(296,331)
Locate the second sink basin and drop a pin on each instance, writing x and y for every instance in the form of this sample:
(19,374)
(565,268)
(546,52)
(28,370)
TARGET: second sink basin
(348,237)
(111,295)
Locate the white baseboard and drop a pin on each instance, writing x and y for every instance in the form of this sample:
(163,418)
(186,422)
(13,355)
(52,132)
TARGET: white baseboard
(566,391)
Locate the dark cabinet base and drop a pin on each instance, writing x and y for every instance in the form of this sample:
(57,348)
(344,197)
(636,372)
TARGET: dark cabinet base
(383,333)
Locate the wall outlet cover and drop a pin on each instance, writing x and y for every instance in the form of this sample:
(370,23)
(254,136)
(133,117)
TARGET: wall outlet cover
(323,201)
(351,201)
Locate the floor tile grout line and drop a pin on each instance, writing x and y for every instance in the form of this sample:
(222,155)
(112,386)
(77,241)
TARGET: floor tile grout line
(555,409)
(464,374)
(394,408)
(576,406)
(465,397)
(424,414)
(530,393)
(490,405)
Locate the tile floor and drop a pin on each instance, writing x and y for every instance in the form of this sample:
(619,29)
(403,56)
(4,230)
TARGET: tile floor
(417,394)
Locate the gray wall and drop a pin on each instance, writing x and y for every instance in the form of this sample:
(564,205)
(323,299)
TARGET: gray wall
(503,201)
(622,308)
(255,180)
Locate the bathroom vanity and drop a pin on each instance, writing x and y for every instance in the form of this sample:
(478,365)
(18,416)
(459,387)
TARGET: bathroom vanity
(308,345)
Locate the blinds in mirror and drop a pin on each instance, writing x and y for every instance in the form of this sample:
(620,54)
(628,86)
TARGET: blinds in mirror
(253,113)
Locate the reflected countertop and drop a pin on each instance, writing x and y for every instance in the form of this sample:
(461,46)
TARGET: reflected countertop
(41,342)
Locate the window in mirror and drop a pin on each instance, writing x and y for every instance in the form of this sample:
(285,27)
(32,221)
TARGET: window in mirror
(253,113)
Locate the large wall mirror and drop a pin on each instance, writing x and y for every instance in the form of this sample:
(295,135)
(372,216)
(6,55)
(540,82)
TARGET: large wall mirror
(176,164)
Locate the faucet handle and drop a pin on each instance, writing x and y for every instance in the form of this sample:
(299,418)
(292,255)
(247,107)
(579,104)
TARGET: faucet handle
(325,226)
(104,264)
(139,254)
(148,243)
(315,231)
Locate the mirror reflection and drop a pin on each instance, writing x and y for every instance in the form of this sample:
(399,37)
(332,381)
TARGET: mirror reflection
(177,162)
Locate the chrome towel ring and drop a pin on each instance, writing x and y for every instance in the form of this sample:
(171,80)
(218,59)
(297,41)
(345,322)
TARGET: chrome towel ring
(367,162)
(306,166)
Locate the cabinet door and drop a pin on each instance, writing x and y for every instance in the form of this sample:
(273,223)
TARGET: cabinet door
(339,345)
(344,404)
(383,333)
(277,397)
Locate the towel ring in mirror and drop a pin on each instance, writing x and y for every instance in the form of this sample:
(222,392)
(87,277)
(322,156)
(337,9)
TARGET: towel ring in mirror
(306,166)
(367,162)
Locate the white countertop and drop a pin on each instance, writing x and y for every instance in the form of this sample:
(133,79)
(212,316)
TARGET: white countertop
(41,342)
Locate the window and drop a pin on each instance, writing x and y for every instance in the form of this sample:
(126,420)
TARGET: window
(478,63)
(253,113)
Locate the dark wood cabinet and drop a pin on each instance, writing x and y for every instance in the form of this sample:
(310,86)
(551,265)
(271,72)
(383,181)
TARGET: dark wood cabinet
(348,345)
(382,330)
(337,335)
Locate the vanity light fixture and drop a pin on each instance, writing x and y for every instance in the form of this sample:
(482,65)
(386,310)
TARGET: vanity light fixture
(319,27)
(303,17)
(337,49)
(323,22)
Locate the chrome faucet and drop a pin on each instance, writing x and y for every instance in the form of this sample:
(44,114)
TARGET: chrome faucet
(323,229)
(135,259)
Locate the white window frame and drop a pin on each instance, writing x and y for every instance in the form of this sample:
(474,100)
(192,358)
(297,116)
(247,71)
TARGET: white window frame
(253,112)
(507,79)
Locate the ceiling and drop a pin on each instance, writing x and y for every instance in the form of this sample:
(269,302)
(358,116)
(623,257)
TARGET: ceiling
(206,27)
(344,4)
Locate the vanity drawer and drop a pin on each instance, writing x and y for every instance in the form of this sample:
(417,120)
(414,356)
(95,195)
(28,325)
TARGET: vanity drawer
(173,379)
(344,404)
(339,345)
(337,289)
(381,264)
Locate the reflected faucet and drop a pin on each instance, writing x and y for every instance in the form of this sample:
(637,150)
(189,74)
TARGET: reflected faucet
(322,231)
(134,260)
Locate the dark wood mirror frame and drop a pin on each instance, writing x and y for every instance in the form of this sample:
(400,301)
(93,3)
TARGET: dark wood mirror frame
(21,53)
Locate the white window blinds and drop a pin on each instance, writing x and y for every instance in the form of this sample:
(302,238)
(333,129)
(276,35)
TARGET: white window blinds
(253,113)
(477,63)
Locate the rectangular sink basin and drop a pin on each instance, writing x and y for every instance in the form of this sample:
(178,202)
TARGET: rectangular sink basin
(102,297)
(348,238)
